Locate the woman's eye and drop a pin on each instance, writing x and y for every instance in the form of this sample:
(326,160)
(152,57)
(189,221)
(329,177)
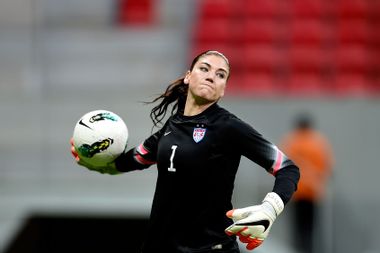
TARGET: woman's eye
(221,75)
(204,69)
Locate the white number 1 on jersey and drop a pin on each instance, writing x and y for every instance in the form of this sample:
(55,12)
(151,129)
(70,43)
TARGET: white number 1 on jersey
(171,168)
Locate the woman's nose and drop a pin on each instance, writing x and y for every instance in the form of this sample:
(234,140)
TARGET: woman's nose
(210,79)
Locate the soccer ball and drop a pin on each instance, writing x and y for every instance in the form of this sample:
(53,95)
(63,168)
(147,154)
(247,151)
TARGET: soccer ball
(100,136)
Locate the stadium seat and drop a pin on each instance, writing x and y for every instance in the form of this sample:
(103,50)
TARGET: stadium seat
(353,9)
(352,85)
(214,30)
(374,11)
(141,12)
(210,9)
(234,83)
(258,84)
(301,84)
(264,9)
(352,59)
(310,32)
(264,58)
(310,9)
(308,59)
(354,32)
(375,87)
(260,31)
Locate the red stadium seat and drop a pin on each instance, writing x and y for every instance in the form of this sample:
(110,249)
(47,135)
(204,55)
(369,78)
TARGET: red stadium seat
(354,59)
(234,84)
(258,84)
(263,58)
(214,30)
(375,87)
(310,9)
(141,12)
(210,9)
(374,61)
(374,11)
(261,31)
(301,84)
(354,32)
(352,85)
(375,36)
(264,9)
(353,9)
(308,59)
(310,32)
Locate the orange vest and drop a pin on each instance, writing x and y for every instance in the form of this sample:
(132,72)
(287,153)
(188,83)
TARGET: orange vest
(312,153)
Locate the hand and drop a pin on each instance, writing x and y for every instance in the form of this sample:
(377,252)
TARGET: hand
(252,224)
(110,168)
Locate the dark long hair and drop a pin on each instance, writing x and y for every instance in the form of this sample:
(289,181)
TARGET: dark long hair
(176,93)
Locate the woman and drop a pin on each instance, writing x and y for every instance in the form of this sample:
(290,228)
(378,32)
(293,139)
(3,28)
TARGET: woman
(197,152)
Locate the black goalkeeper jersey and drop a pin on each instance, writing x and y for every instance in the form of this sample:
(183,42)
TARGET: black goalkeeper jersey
(197,159)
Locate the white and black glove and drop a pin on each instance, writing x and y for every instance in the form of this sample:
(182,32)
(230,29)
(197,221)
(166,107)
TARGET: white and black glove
(110,168)
(252,224)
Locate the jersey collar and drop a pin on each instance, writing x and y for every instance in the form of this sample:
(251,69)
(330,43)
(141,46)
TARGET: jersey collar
(201,118)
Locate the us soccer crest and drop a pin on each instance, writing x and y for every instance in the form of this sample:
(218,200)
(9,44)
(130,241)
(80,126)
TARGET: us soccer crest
(199,134)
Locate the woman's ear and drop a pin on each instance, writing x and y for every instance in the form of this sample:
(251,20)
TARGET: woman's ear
(187,77)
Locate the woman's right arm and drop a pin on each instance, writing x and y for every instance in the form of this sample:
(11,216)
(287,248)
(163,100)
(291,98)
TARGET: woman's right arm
(142,156)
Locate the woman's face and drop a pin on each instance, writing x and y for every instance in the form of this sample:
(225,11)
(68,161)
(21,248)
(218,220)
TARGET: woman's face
(207,80)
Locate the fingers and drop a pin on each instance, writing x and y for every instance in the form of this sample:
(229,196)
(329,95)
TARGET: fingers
(106,169)
(229,214)
(234,230)
(254,244)
(240,213)
(251,224)
(241,231)
(73,151)
(244,236)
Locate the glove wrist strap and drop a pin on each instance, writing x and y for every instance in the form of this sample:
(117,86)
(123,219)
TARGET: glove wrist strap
(275,201)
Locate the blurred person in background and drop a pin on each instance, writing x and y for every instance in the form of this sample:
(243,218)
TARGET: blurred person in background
(312,153)
(197,151)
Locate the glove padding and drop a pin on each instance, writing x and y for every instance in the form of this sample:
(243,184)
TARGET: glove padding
(252,224)
(110,168)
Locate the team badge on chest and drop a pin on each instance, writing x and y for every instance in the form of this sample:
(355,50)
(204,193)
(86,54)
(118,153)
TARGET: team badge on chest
(199,134)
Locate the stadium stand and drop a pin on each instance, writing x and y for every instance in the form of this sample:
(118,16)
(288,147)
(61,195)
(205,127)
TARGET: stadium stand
(135,12)
(309,47)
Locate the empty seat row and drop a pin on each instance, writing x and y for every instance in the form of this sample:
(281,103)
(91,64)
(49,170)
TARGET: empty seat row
(280,8)
(305,85)
(293,47)
(269,31)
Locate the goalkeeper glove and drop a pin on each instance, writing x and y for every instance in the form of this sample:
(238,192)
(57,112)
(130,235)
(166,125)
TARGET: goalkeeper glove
(110,168)
(252,224)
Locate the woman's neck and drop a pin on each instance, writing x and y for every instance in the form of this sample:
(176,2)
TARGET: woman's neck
(193,108)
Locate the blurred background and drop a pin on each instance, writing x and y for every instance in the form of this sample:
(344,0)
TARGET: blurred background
(61,59)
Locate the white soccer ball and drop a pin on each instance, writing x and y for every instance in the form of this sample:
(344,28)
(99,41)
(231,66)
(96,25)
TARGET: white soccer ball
(100,136)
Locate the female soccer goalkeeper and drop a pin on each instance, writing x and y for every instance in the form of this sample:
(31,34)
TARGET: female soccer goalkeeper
(197,153)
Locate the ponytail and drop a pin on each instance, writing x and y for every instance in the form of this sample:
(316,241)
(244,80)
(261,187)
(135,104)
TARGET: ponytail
(175,93)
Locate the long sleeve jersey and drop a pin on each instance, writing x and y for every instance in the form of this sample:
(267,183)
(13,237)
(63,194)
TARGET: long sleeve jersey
(197,158)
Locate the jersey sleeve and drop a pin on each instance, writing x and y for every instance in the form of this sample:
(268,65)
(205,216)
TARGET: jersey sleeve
(251,144)
(141,156)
